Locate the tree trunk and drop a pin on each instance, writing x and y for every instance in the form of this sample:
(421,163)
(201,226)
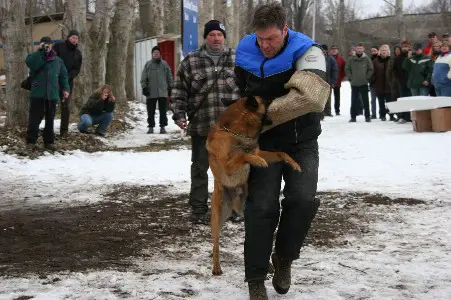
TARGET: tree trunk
(172,16)
(400,18)
(99,33)
(130,77)
(152,17)
(206,13)
(250,14)
(341,29)
(300,11)
(288,5)
(75,18)
(118,47)
(15,40)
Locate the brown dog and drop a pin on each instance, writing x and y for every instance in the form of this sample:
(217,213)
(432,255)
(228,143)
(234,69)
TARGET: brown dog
(232,146)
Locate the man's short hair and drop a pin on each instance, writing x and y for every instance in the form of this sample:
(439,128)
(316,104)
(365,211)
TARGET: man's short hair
(432,34)
(269,15)
(360,45)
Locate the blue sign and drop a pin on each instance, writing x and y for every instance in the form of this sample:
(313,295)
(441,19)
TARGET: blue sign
(190,26)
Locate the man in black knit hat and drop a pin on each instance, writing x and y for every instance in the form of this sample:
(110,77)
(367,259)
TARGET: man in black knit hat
(72,58)
(204,84)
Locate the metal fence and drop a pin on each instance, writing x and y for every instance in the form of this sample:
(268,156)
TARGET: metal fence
(143,53)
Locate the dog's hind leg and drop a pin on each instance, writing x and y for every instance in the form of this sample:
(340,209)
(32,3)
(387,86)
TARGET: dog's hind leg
(239,198)
(216,224)
(227,204)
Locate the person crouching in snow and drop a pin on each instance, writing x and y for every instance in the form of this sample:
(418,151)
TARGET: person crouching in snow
(98,110)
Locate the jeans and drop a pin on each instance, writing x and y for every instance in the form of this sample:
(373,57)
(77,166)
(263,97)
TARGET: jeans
(443,91)
(337,100)
(152,106)
(355,101)
(103,120)
(198,196)
(40,108)
(263,209)
(422,91)
(373,101)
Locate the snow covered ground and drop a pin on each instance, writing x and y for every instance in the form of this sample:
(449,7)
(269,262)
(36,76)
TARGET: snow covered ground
(405,255)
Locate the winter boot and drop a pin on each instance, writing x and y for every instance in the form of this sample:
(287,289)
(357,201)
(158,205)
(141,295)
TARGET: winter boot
(353,120)
(162,130)
(50,147)
(282,274)
(200,219)
(31,147)
(257,290)
(150,130)
(99,133)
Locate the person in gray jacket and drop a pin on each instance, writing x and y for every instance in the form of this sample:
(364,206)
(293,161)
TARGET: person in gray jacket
(156,83)
(359,70)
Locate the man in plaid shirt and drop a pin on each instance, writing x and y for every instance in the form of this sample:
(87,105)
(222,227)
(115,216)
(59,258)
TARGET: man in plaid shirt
(200,99)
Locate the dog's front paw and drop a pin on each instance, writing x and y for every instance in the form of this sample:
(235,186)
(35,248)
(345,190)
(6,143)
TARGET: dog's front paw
(257,161)
(217,271)
(294,165)
(288,160)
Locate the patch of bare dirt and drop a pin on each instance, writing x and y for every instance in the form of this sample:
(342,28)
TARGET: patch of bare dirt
(139,221)
(13,141)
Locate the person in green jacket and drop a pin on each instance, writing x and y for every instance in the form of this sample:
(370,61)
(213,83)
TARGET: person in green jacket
(98,110)
(156,83)
(419,69)
(359,71)
(48,75)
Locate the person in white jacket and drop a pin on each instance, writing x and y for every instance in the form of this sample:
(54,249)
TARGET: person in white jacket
(441,75)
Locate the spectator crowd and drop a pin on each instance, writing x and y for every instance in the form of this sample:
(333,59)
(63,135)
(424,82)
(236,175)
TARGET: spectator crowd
(383,75)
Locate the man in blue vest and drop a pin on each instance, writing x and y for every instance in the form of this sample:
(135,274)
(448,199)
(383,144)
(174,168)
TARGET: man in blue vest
(265,61)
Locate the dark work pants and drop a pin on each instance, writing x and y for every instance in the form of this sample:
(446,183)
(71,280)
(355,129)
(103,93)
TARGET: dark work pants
(262,210)
(337,100)
(355,101)
(382,99)
(199,178)
(152,106)
(328,107)
(404,91)
(40,108)
(373,94)
(65,110)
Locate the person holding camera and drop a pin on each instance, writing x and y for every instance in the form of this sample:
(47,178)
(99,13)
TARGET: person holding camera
(98,110)
(156,82)
(48,77)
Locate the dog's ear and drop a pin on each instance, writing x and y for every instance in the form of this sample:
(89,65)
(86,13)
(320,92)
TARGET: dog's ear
(251,104)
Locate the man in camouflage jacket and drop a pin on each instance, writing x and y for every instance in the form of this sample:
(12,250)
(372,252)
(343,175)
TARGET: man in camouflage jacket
(200,100)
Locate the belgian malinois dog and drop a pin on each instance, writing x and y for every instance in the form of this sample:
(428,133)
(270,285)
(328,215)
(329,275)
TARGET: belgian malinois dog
(232,146)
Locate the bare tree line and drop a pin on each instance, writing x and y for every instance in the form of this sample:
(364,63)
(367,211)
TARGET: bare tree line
(107,40)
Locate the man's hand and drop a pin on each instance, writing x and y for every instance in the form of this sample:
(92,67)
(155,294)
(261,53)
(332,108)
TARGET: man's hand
(65,94)
(409,54)
(146,92)
(182,124)
(425,83)
(112,98)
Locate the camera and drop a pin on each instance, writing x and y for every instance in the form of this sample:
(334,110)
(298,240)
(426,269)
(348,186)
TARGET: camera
(46,47)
